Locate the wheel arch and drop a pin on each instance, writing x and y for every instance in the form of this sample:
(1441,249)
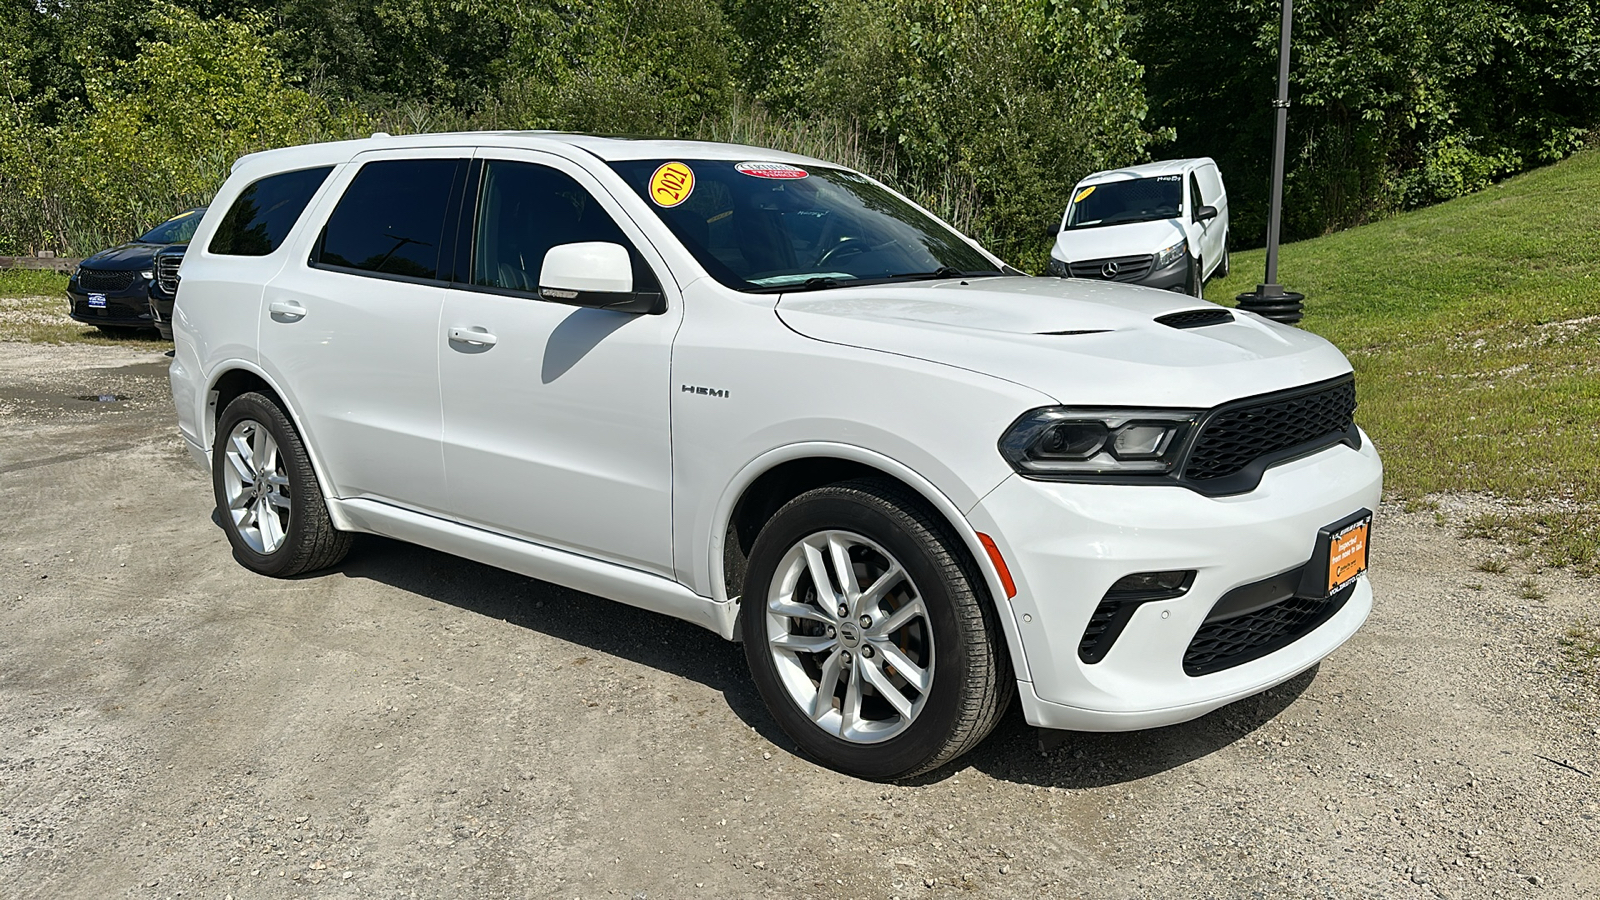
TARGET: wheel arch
(778,476)
(237,377)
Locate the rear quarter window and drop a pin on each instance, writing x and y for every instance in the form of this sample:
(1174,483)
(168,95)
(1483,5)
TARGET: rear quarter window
(264,213)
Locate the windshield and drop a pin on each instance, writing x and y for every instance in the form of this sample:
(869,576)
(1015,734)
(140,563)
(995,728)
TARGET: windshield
(176,230)
(764,227)
(1116,202)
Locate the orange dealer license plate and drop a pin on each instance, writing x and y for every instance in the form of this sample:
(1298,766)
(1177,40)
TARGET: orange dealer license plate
(1347,553)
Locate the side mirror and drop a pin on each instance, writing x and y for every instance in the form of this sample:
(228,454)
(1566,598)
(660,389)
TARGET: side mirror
(1054,229)
(594,274)
(1205,214)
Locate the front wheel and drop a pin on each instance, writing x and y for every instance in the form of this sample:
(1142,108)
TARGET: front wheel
(267,492)
(869,633)
(1197,277)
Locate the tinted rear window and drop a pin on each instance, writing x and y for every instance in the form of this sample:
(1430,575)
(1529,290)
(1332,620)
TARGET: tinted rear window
(265,211)
(391,220)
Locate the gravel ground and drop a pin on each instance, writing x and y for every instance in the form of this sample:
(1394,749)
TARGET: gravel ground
(412,724)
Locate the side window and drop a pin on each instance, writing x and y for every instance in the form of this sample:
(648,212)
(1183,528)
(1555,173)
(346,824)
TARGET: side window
(524,209)
(1194,195)
(262,215)
(391,220)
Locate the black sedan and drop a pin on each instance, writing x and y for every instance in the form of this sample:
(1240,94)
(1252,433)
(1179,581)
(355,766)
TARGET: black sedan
(111,290)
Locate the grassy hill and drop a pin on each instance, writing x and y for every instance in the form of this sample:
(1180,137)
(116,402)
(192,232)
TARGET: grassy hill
(1474,329)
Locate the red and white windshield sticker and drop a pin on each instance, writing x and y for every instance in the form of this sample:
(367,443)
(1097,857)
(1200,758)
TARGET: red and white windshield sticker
(771,170)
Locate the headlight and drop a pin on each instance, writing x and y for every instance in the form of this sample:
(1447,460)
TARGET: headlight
(147,274)
(1063,442)
(1171,254)
(1057,268)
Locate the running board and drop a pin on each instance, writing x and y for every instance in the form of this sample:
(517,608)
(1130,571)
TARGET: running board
(603,579)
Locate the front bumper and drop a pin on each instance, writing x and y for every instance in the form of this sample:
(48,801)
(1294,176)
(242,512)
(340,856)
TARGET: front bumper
(1066,544)
(125,308)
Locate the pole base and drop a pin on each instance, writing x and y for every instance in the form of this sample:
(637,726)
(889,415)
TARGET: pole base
(1273,302)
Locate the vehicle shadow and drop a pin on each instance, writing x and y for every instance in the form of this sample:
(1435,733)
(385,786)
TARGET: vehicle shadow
(1079,759)
(616,629)
(1011,753)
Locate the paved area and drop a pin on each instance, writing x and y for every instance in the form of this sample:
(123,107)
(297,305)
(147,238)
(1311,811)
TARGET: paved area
(413,724)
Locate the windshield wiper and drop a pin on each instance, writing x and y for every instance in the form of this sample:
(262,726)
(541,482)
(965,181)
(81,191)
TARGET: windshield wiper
(945,272)
(810,284)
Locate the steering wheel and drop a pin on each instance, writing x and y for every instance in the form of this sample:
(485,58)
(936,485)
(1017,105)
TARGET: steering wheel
(846,246)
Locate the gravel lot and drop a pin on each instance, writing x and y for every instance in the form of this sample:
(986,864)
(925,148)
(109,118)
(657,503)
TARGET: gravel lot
(417,725)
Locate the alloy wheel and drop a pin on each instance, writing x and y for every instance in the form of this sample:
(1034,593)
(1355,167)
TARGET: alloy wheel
(257,487)
(850,636)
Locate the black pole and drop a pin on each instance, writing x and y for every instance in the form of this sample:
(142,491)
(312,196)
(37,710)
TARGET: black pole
(1269,298)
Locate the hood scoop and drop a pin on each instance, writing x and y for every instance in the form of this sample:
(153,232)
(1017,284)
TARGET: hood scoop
(1070,333)
(1195,318)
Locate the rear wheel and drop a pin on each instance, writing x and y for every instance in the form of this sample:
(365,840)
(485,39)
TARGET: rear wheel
(868,632)
(267,493)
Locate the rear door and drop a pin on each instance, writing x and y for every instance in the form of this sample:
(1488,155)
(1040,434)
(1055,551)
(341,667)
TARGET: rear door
(556,418)
(350,333)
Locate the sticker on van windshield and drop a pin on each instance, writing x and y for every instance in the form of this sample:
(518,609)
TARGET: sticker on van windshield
(771,170)
(1084,193)
(672,184)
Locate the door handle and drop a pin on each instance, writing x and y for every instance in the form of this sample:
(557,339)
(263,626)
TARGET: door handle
(287,308)
(472,336)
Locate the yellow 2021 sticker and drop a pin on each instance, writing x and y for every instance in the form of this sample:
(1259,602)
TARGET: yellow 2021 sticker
(1084,193)
(672,184)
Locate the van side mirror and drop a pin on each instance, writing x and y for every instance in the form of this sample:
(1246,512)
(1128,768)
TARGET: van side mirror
(594,274)
(1054,229)
(1205,214)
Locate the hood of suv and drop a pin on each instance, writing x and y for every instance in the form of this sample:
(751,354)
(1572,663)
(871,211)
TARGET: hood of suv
(1081,342)
(132,255)
(1130,239)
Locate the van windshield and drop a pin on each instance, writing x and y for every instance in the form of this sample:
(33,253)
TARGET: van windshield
(766,227)
(1119,202)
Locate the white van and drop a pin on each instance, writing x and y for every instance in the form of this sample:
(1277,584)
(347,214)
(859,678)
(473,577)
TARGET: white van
(1162,224)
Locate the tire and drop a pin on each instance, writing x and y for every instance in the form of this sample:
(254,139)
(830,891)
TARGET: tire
(282,528)
(1227,264)
(794,636)
(1197,278)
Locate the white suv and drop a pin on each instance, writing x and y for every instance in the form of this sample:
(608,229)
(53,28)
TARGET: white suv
(772,397)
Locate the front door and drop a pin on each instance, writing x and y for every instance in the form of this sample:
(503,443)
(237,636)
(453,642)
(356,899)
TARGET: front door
(556,425)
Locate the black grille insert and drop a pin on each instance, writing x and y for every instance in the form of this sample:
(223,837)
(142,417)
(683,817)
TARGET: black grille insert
(1119,268)
(1226,643)
(1195,318)
(105,279)
(1240,434)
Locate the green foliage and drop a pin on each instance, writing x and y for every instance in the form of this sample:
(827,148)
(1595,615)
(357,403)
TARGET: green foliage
(1397,103)
(1018,100)
(153,134)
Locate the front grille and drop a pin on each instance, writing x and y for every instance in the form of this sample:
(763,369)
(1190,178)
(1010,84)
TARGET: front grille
(167,272)
(1233,642)
(1128,268)
(105,280)
(1239,435)
(1195,318)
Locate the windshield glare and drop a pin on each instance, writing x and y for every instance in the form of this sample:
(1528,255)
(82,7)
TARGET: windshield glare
(1137,200)
(785,226)
(176,230)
